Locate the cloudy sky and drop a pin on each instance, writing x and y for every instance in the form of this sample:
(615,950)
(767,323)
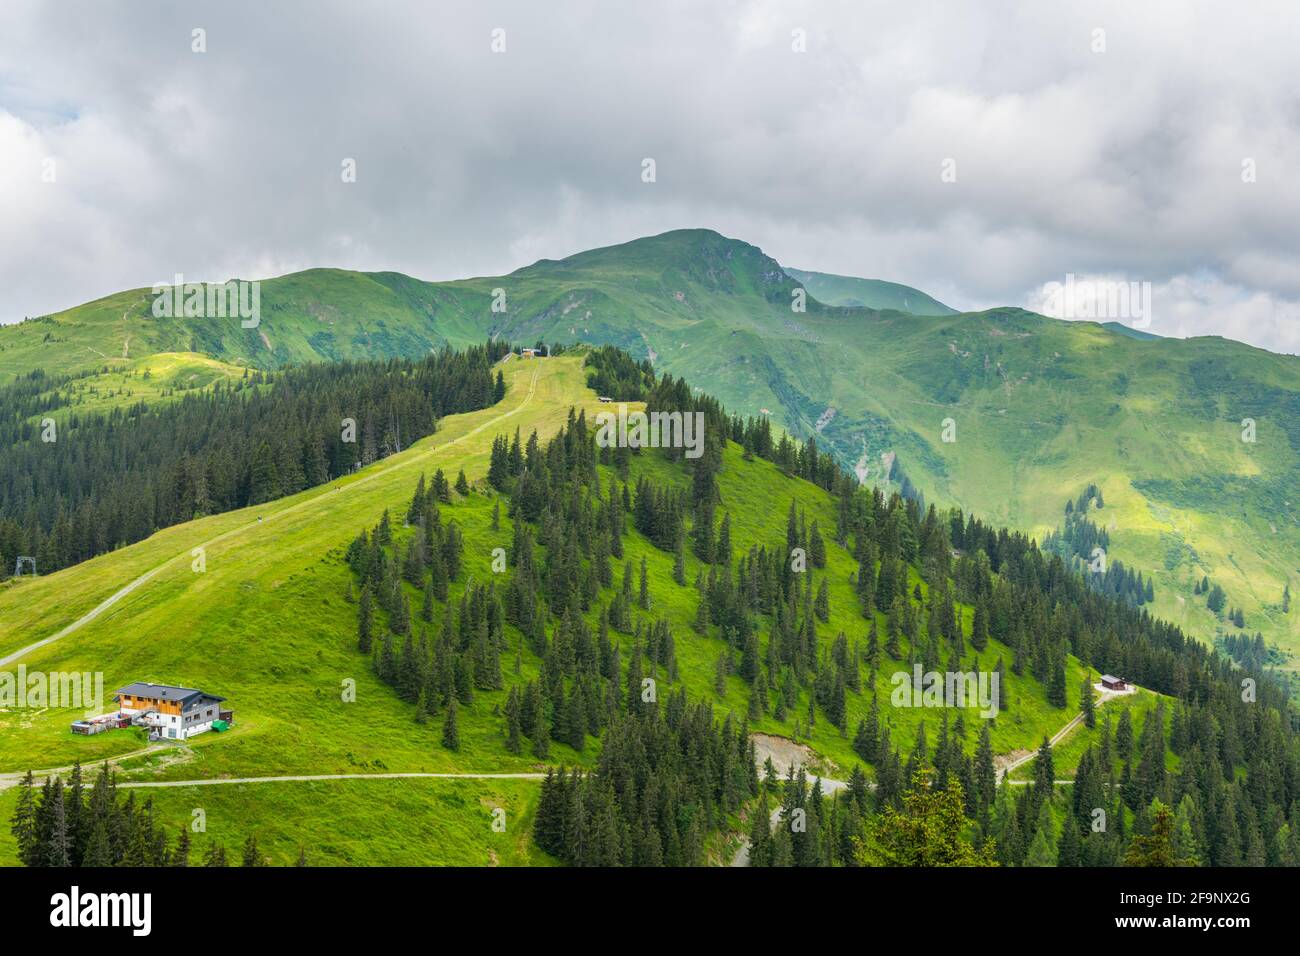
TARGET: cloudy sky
(976,150)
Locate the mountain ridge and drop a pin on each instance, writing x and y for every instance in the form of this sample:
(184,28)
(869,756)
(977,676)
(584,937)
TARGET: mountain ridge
(1040,407)
(879,294)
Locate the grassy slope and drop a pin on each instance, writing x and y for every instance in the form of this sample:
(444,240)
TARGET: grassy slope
(1042,407)
(268,627)
(153,379)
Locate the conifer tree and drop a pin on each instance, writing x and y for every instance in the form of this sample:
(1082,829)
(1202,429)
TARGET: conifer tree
(513,724)
(873,647)
(181,855)
(1124,736)
(416,511)
(928,831)
(23,824)
(816,547)
(864,743)
(979,636)
(1044,771)
(438,577)
(985,777)
(542,738)
(1056,695)
(893,631)
(575,719)
(252,856)
(426,604)
(384,530)
(450,729)
(1042,848)
(1157,849)
(399,621)
(1069,851)
(216,855)
(749,663)
(441,488)
(822,604)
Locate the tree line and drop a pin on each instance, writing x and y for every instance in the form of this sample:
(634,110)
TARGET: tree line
(112,478)
(76,825)
(1077,542)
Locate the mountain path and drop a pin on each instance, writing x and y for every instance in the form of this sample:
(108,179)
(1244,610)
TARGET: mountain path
(1061,734)
(309,778)
(8,780)
(13,778)
(783,753)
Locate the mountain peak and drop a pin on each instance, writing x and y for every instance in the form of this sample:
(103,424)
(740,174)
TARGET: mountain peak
(683,259)
(671,244)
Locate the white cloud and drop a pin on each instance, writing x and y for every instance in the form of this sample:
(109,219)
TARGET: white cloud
(1182,306)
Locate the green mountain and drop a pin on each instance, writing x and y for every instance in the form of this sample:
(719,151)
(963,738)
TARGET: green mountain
(271,618)
(871,293)
(1038,408)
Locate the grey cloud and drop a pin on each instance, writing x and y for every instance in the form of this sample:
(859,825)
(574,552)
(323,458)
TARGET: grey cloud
(1122,163)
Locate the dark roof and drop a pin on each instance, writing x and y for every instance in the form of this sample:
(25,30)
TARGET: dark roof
(1110,678)
(164,692)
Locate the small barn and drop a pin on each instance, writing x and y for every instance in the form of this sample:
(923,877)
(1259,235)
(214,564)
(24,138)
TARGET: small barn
(1111,682)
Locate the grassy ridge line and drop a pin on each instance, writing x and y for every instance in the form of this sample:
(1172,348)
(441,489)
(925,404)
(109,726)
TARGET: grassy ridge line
(47,597)
(838,290)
